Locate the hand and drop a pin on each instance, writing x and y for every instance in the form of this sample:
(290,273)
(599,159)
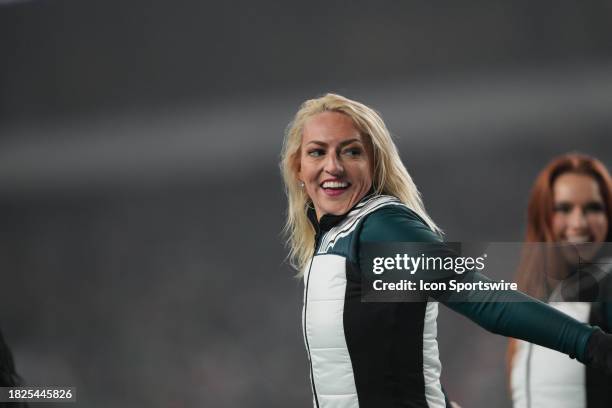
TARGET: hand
(599,351)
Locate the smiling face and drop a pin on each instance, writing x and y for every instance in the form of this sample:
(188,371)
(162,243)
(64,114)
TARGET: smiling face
(579,212)
(335,163)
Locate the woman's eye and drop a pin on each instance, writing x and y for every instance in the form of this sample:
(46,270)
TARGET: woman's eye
(593,208)
(563,208)
(316,152)
(355,151)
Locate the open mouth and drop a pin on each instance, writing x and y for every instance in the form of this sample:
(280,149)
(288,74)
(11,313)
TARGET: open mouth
(579,239)
(335,187)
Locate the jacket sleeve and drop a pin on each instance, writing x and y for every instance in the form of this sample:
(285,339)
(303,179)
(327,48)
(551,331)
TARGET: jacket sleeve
(505,312)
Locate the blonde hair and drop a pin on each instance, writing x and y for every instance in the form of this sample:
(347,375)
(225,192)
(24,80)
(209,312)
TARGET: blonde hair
(390,176)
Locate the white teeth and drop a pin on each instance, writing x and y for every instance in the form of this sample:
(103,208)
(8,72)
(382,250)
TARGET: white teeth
(579,239)
(335,184)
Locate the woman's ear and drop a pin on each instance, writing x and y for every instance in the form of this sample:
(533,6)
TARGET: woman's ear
(296,164)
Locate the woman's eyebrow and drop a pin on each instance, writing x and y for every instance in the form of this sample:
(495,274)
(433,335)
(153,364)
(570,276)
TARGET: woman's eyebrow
(341,144)
(348,142)
(317,143)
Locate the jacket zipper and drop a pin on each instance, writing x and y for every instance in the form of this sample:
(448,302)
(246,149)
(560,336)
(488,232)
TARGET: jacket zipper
(312,379)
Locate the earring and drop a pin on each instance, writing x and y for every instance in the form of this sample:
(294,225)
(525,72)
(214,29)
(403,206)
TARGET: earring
(301,184)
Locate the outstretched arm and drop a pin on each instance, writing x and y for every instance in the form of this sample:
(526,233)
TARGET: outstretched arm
(509,313)
(514,314)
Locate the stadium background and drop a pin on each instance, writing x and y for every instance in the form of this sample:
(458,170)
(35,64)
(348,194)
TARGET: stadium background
(140,197)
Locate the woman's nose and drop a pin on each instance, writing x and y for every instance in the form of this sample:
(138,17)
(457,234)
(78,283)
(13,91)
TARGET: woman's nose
(577,220)
(333,165)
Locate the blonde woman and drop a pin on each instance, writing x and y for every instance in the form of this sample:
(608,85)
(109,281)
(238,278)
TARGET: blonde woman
(347,187)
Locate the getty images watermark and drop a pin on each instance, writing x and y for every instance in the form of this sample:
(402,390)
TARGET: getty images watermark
(472,272)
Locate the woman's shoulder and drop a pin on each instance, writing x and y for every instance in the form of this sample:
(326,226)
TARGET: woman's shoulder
(395,222)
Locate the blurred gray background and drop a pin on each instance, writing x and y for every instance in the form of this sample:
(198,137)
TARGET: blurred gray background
(141,203)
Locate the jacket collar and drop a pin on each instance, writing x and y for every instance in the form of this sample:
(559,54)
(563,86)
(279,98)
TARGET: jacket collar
(328,221)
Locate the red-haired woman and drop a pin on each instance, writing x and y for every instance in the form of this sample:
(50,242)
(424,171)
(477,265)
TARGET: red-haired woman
(569,215)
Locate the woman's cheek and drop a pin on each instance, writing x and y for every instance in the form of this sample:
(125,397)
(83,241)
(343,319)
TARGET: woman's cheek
(558,226)
(599,227)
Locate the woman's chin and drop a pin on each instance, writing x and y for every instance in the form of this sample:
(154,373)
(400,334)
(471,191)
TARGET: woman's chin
(335,207)
(338,203)
(583,253)
(335,210)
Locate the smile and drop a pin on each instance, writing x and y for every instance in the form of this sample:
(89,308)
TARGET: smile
(578,239)
(335,184)
(335,187)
